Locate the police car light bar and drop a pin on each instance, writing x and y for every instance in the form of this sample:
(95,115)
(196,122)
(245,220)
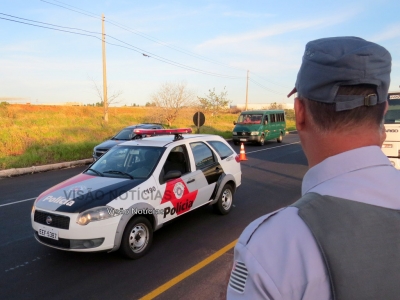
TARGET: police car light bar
(152,132)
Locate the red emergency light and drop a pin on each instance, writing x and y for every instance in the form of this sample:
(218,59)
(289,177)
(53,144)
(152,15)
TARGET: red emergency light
(153,132)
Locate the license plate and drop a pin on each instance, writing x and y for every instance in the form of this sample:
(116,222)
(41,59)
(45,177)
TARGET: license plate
(243,140)
(387,146)
(48,232)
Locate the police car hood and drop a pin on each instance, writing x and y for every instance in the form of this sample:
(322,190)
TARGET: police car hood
(84,191)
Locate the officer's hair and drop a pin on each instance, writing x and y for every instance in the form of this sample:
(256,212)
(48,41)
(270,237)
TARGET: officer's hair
(326,118)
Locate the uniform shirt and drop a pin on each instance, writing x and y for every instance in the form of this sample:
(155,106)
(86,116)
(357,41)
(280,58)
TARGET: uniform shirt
(277,257)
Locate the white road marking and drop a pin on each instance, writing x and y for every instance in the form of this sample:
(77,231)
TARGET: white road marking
(17,202)
(26,263)
(273,147)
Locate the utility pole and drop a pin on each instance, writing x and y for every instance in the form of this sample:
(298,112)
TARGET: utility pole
(247,90)
(104,71)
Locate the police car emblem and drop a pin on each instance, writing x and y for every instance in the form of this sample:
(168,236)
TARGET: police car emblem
(178,190)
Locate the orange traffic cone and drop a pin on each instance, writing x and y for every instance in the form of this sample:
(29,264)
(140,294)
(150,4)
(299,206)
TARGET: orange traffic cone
(242,153)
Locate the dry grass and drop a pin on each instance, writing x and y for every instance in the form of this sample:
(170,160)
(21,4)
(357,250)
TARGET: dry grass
(34,134)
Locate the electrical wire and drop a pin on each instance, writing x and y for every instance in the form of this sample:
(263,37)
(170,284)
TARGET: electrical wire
(50,28)
(121,26)
(50,24)
(133,48)
(270,81)
(260,85)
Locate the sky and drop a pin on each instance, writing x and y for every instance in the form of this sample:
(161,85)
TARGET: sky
(213,42)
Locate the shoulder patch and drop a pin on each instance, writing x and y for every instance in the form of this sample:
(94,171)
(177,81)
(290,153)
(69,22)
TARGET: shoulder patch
(238,277)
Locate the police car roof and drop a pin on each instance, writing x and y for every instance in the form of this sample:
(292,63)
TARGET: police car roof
(162,140)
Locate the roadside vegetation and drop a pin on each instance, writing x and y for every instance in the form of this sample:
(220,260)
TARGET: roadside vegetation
(36,135)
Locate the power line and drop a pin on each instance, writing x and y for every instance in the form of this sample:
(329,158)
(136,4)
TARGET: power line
(260,85)
(270,81)
(133,48)
(119,25)
(49,24)
(50,28)
(142,35)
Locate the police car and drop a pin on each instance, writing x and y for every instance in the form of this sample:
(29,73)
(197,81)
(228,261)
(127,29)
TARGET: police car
(134,189)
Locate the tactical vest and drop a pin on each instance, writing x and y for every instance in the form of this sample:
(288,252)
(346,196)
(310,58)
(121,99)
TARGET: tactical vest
(360,245)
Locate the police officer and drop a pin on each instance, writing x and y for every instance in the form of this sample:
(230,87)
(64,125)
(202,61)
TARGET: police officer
(341,240)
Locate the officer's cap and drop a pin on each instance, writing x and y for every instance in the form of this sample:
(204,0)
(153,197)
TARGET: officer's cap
(332,62)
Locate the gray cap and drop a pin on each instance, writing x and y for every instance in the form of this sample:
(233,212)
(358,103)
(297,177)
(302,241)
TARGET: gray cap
(332,62)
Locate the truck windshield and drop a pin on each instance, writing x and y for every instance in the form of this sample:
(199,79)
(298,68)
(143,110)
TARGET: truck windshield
(393,114)
(249,119)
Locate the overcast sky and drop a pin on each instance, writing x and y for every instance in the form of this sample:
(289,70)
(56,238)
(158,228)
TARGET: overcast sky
(225,38)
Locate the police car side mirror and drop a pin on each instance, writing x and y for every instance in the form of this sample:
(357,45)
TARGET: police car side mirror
(172,175)
(234,122)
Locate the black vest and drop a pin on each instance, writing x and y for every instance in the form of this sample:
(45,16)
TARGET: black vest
(360,244)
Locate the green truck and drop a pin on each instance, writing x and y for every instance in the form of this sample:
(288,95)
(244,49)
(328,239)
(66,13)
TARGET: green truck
(257,126)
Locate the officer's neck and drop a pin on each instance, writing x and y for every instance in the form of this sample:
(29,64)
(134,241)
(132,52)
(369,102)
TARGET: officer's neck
(319,146)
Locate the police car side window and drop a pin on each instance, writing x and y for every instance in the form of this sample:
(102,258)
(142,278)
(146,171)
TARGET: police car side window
(222,149)
(203,155)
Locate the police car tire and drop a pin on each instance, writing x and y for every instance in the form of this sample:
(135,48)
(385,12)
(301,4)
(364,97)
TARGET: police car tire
(222,207)
(280,138)
(137,227)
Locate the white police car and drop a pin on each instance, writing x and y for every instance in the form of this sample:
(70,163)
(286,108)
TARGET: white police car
(134,189)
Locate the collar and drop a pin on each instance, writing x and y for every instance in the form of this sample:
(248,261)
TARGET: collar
(343,163)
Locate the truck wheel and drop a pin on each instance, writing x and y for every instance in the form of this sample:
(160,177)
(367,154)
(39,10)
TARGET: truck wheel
(280,138)
(225,200)
(137,238)
(262,141)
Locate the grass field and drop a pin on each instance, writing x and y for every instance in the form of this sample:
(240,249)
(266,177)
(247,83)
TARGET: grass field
(36,135)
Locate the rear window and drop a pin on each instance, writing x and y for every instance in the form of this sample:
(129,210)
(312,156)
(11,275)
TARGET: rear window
(223,150)
(125,134)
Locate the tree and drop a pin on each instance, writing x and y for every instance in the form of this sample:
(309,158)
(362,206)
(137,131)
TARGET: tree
(112,98)
(275,106)
(213,102)
(170,99)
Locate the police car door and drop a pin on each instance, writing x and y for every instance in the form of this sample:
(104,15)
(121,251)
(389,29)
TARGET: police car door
(207,170)
(228,160)
(179,194)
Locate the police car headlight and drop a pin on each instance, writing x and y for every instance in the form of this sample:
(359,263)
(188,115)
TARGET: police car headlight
(254,133)
(234,133)
(95,214)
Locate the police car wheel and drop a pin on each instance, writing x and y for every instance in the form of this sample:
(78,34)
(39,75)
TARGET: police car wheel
(280,138)
(262,141)
(137,238)
(225,200)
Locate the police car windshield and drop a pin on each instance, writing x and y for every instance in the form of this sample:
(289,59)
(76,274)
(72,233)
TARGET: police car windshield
(393,114)
(125,134)
(128,162)
(250,119)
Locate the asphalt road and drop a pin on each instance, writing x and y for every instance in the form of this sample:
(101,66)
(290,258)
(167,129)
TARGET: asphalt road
(28,270)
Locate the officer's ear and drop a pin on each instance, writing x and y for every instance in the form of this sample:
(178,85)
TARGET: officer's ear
(299,112)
